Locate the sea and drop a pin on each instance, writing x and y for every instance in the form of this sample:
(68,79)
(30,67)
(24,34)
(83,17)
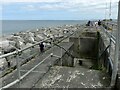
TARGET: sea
(14,26)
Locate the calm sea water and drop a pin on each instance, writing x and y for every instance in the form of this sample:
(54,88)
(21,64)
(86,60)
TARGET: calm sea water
(13,26)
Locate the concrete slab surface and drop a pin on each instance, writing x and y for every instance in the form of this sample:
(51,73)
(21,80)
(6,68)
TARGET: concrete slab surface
(70,77)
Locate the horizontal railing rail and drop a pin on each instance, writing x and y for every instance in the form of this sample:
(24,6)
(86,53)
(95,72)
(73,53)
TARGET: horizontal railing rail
(18,51)
(112,37)
(19,78)
(110,23)
(64,50)
(113,40)
(22,77)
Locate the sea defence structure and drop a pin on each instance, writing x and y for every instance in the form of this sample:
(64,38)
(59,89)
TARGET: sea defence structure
(81,59)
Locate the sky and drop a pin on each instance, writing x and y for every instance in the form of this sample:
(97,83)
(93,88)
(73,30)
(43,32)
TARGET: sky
(57,9)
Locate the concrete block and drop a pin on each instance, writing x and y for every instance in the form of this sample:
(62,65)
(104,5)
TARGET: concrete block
(117,87)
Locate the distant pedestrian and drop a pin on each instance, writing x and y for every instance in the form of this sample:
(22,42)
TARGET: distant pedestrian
(80,62)
(41,46)
(88,23)
(99,22)
(95,23)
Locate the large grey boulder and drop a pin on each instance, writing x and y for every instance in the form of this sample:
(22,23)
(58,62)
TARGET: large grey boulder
(29,38)
(3,64)
(7,46)
(39,38)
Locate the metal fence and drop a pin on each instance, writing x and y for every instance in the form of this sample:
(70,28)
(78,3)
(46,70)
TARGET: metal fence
(111,32)
(112,41)
(17,55)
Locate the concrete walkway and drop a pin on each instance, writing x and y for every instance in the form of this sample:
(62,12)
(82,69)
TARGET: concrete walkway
(47,75)
(40,71)
(70,77)
(79,76)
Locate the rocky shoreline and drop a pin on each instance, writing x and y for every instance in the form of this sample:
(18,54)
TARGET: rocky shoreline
(22,40)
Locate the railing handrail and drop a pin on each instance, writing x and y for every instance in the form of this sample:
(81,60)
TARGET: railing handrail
(113,39)
(64,49)
(22,77)
(111,23)
(18,51)
(113,62)
(104,51)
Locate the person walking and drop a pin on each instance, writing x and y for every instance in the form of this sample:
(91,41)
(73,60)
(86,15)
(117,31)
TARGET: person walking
(88,23)
(41,46)
(99,22)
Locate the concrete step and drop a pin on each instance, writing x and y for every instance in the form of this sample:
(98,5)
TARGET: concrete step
(85,63)
(72,77)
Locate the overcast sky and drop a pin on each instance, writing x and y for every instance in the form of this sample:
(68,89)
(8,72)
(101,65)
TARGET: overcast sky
(57,9)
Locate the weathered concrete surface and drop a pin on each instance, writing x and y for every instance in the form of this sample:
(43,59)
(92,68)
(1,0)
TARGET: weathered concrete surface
(86,63)
(103,44)
(76,46)
(117,86)
(61,77)
(106,41)
(85,44)
(88,47)
(67,59)
(69,77)
(39,72)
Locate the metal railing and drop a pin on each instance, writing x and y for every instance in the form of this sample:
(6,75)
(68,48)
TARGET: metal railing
(17,52)
(22,77)
(112,39)
(111,23)
(68,53)
(117,51)
(19,78)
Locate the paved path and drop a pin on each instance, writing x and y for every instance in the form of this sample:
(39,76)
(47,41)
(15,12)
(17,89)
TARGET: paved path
(79,76)
(40,71)
(70,77)
(48,76)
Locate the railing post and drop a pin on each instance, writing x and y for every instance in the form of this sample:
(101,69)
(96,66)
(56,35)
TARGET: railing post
(112,30)
(18,68)
(52,42)
(107,26)
(117,46)
(110,46)
(109,54)
(61,56)
(112,27)
(1,79)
